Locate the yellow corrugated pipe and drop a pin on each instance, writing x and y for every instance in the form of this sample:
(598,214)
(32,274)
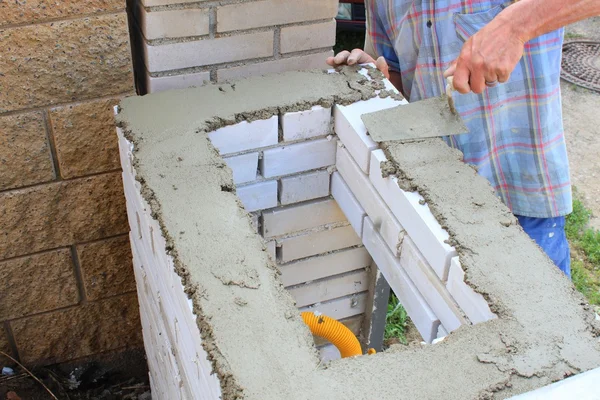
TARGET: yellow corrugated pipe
(336,332)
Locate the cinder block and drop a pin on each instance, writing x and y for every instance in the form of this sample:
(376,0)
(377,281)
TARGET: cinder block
(430,286)
(256,14)
(330,288)
(416,306)
(306,124)
(314,243)
(290,219)
(472,303)
(347,202)
(352,131)
(173,23)
(344,307)
(160,83)
(166,57)
(389,227)
(245,136)
(244,167)
(323,266)
(304,62)
(258,196)
(306,37)
(415,217)
(309,186)
(298,157)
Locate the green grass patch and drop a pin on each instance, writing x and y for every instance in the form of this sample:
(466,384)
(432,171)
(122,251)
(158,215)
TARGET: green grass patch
(585,252)
(396,320)
(571,35)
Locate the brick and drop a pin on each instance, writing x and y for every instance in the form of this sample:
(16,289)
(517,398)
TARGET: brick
(161,83)
(306,37)
(416,306)
(24,152)
(165,57)
(298,157)
(69,60)
(331,288)
(258,196)
(347,202)
(272,12)
(22,12)
(306,124)
(472,303)
(304,62)
(415,217)
(173,23)
(304,187)
(389,227)
(244,167)
(352,131)
(352,323)
(344,307)
(317,243)
(430,287)
(37,283)
(106,267)
(323,266)
(62,213)
(286,220)
(78,332)
(85,138)
(245,135)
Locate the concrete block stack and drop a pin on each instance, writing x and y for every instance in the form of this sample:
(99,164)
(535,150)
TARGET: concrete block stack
(182,43)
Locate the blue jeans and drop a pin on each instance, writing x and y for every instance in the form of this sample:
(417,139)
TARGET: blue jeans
(549,234)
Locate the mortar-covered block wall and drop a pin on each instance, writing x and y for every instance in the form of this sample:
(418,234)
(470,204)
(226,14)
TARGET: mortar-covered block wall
(182,43)
(67,288)
(205,176)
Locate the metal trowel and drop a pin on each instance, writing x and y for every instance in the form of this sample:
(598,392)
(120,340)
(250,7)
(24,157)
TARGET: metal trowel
(434,117)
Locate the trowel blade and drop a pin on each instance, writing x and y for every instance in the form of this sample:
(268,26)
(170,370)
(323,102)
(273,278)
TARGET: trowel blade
(419,120)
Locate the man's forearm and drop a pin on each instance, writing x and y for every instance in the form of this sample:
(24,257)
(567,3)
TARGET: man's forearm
(532,18)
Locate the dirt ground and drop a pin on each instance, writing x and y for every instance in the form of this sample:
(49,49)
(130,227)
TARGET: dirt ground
(581,113)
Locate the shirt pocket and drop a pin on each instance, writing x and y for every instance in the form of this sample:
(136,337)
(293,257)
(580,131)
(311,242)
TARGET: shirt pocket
(468,24)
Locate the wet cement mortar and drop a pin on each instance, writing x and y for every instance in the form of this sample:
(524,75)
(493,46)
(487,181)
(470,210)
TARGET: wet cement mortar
(251,330)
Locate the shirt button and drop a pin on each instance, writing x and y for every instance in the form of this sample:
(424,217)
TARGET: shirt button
(429,24)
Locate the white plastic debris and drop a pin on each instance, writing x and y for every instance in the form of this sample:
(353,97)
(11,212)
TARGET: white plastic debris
(7,371)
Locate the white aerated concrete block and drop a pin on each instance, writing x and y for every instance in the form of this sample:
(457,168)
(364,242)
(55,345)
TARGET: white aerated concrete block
(258,196)
(298,157)
(306,124)
(344,307)
(319,267)
(331,288)
(244,167)
(312,185)
(415,217)
(352,131)
(347,202)
(430,286)
(472,303)
(389,227)
(442,332)
(329,353)
(313,243)
(245,136)
(271,249)
(295,218)
(416,306)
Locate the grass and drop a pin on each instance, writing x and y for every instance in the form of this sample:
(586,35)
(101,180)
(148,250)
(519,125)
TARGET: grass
(571,35)
(396,320)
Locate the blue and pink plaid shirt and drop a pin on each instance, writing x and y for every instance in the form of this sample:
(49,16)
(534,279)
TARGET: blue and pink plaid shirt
(516,136)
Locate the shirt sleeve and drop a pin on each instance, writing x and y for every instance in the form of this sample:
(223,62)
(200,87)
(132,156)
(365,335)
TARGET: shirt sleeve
(377,41)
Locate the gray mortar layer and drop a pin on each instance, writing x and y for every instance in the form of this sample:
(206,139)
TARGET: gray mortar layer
(262,350)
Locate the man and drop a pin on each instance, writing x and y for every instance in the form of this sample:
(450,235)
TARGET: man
(505,58)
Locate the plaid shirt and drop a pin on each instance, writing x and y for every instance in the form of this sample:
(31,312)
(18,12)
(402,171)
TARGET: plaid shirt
(516,136)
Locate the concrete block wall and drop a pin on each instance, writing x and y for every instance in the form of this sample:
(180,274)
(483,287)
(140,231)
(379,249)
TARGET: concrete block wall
(67,289)
(182,43)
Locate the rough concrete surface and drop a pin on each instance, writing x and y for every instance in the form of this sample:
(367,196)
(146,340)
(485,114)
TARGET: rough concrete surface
(262,350)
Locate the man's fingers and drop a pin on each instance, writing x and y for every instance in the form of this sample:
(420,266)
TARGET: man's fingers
(461,79)
(330,61)
(451,69)
(355,57)
(382,65)
(341,57)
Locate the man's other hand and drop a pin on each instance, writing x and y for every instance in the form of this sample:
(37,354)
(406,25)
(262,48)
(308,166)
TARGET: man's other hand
(358,56)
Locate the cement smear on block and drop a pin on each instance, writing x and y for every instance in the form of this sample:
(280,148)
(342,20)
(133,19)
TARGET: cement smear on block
(253,334)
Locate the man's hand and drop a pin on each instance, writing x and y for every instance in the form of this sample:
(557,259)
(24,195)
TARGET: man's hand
(358,56)
(488,57)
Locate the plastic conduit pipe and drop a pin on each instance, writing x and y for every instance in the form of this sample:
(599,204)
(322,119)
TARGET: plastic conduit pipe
(336,332)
